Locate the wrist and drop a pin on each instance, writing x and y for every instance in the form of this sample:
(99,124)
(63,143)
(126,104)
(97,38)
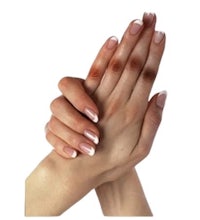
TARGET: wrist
(123,197)
(111,196)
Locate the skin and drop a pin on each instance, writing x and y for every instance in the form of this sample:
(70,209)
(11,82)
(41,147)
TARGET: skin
(127,123)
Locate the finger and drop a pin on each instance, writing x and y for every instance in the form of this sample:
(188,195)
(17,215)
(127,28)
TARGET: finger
(72,138)
(70,87)
(61,147)
(136,59)
(69,116)
(119,59)
(147,77)
(100,64)
(150,126)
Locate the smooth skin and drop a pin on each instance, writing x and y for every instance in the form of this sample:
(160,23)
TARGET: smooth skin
(127,123)
(125,195)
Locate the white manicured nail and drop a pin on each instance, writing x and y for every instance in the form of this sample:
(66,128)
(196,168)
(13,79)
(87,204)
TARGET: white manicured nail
(70,151)
(87,149)
(136,26)
(91,114)
(90,135)
(161,99)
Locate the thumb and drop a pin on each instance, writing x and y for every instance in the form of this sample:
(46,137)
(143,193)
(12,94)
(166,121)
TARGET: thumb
(150,126)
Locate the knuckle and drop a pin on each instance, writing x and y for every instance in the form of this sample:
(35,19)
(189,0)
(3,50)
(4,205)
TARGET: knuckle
(143,152)
(52,125)
(48,136)
(149,74)
(64,82)
(135,63)
(94,72)
(55,104)
(116,65)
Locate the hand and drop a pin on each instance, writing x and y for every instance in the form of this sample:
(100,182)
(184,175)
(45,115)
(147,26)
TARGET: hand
(128,122)
(62,131)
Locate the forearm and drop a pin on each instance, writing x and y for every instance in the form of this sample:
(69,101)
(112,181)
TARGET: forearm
(123,197)
(56,184)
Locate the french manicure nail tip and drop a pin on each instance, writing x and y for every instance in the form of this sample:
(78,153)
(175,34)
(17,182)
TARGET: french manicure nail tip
(112,42)
(161,99)
(87,149)
(91,114)
(140,22)
(74,154)
(70,152)
(159,35)
(135,26)
(91,152)
(148,18)
(91,136)
(149,14)
(96,140)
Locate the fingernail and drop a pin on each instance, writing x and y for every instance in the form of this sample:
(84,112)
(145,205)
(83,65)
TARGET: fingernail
(112,42)
(148,18)
(87,149)
(70,152)
(135,26)
(158,37)
(91,114)
(161,99)
(93,137)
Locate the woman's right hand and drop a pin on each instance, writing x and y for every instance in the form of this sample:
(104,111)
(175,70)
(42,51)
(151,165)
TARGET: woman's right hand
(74,115)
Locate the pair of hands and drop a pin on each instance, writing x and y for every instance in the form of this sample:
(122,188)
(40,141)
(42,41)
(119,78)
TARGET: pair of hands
(116,91)
(120,132)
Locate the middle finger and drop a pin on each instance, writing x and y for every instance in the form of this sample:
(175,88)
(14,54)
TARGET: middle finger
(119,59)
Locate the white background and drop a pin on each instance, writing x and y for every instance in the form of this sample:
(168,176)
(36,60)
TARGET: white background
(42,41)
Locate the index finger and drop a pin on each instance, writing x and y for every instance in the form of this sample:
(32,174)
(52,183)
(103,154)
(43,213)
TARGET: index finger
(100,64)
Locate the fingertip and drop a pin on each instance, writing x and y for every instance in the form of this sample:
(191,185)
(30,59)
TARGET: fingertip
(91,114)
(149,18)
(161,99)
(87,149)
(159,36)
(70,152)
(91,136)
(112,42)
